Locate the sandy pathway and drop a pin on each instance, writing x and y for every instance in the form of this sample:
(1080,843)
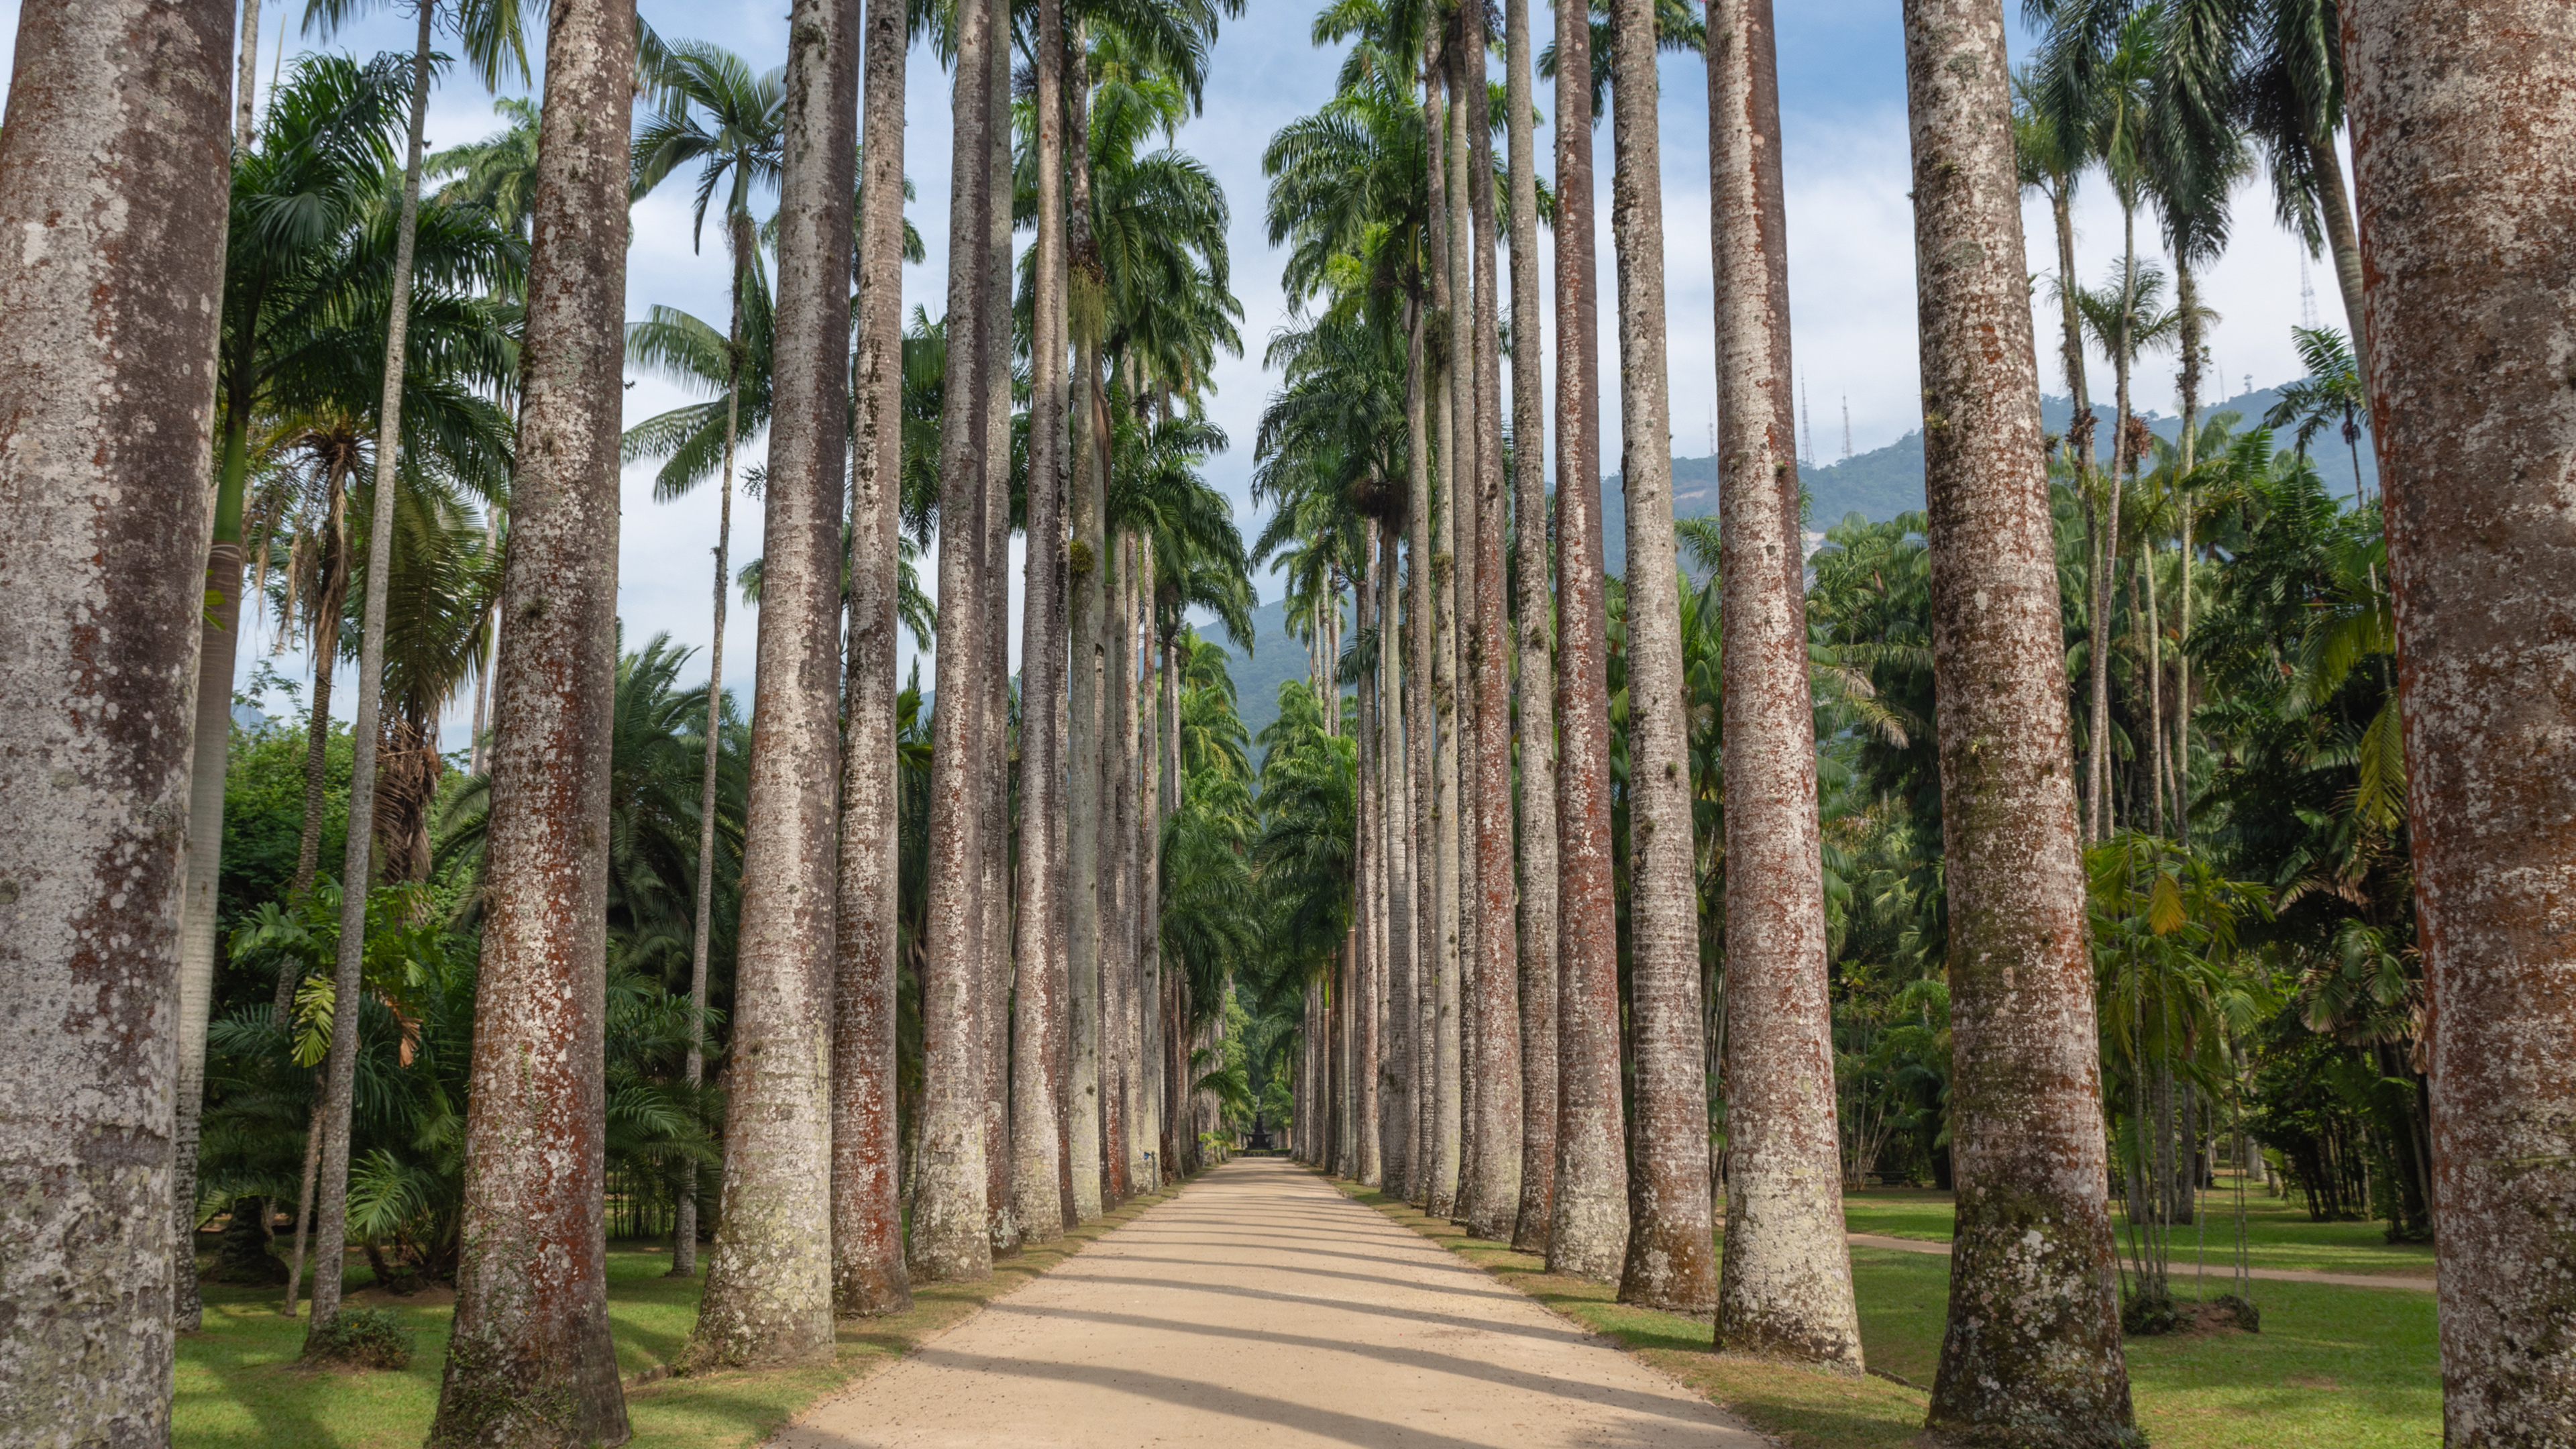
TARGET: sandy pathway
(1262,1307)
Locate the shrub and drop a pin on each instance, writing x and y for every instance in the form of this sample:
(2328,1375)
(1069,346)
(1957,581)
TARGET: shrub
(373,1338)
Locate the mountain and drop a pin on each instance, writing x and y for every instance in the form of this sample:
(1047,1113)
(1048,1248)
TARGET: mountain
(1878,485)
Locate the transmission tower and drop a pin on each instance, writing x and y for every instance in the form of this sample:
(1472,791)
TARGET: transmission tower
(2307,295)
(1847,447)
(1806,427)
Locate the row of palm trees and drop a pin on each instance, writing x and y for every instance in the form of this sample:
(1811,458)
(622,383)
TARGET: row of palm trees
(1463,1042)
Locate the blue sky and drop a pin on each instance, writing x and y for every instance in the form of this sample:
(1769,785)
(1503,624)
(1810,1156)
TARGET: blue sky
(1850,230)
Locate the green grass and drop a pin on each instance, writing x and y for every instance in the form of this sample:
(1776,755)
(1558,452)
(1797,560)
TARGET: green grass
(2277,1231)
(2333,1368)
(239,1385)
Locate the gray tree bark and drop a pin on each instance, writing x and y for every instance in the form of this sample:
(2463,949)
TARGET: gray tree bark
(1533,637)
(1447,1126)
(951,1241)
(2468,231)
(993,752)
(340,1068)
(868,1275)
(113,186)
(531,1361)
(1588,1235)
(1086,565)
(1785,1286)
(1037,1107)
(2033,1345)
(1393,824)
(769,1282)
(1493,1190)
(1671,1261)
(1118,871)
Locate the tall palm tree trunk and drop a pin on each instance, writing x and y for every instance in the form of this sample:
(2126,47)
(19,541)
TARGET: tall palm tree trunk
(531,1361)
(333,578)
(1494,1174)
(2106,546)
(340,1069)
(1144,915)
(1671,1261)
(1588,1234)
(1458,494)
(115,176)
(684,1231)
(1785,1290)
(992,754)
(1037,1107)
(769,1282)
(2469,408)
(1368,853)
(245,100)
(2187,380)
(2334,214)
(950,1241)
(1447,1127)
(1421,856)
(1532,637)
(2079,448)
(1169,1092)
(1118,869)
(1086,567)
(2033,1345)
(1393,823)
(868,1276)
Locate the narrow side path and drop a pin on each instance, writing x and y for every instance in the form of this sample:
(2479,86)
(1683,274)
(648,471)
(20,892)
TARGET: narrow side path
(1263,1307)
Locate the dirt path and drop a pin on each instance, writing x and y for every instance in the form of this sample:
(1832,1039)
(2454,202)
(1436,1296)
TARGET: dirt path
(2181,1271)
(1260,1307)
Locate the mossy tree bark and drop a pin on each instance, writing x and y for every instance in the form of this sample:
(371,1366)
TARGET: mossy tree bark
(1588,1234)
(114,190)
(531,1361)
(2463,118)
(1493,1191)
(1036,1090)
(1785,1289)
(1671,1260)
(769,1282)
(950,1237)
(1533,636)
(2032,1353)
(868,1276)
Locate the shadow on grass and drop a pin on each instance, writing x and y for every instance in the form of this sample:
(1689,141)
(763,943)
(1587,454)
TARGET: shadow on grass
(239,1385)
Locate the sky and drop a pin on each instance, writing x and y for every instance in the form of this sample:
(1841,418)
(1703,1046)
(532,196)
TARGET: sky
(1851,262)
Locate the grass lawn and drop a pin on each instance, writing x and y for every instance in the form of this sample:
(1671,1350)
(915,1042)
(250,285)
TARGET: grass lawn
(2277,1231)
(239,1386)
(2333,1368)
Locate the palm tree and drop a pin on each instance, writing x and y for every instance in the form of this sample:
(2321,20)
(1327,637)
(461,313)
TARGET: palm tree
(1086,570)
(116,153)
(1446,251)
(1038,1108)
(867,1222)
(730,122)
(1493,1188)
(950,1235)
(2332,392)
(993,716)
(2290,99)
(2033,1344)
(1588,1234)
(769,1282)
(531,1364)
(1533,636)
(307,192)
(497,173)
(2487,784)
(1785,1286)
(492,35)
(1671,1248)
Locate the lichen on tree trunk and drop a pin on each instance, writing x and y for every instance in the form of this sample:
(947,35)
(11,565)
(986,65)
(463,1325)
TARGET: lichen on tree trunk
(113,193)
(1785,1288)
(2032,1352)
(2463,118)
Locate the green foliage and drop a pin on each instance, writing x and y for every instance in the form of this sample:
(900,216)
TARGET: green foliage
(368,1338)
